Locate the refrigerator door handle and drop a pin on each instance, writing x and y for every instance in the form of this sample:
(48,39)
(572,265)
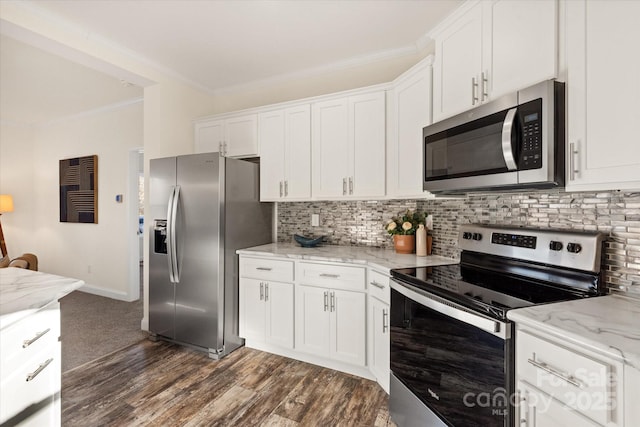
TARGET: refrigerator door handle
(169,232)
(173,236)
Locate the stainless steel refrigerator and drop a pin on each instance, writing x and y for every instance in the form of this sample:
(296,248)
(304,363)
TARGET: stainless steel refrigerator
(203,208)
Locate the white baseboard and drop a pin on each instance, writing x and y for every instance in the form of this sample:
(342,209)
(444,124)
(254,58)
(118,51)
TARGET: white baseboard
(109,293)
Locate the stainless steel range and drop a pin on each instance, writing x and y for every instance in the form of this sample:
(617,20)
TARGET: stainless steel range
(452,347)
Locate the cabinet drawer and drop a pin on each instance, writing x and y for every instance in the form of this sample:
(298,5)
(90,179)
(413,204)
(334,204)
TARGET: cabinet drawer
(579,381)
(32,335)
(42,388)
(266,269)
(332,276)
(378,285)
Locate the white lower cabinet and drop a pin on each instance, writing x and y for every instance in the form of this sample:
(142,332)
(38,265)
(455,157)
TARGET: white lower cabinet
(30,370)
(331,323)
(380,344)
(561,384)
(266,311)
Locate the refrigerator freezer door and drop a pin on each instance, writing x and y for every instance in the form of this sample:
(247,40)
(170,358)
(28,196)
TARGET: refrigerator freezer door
(200,262)
(161,290)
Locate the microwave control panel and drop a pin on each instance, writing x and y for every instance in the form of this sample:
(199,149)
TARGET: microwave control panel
(531,145)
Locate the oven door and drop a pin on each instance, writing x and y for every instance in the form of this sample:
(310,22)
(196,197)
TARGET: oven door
(448,364)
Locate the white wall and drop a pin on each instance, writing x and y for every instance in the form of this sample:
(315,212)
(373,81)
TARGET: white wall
(95,253)
(16,179)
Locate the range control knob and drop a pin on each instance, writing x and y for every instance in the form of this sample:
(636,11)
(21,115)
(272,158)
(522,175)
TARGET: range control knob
(574,247)
(466,235)
(477,236)
(555,246)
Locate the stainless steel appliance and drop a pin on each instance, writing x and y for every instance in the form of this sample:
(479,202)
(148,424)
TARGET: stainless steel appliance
(452,347)
(204,207)
(516,141)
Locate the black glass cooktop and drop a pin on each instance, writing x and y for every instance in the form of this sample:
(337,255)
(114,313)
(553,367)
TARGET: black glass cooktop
(496,288)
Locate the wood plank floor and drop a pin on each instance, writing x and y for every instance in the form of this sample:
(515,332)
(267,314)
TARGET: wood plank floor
(158,383)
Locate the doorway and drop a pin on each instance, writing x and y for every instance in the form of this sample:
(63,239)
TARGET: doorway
(135,230)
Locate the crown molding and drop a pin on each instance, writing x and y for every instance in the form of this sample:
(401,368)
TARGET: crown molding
(93,112)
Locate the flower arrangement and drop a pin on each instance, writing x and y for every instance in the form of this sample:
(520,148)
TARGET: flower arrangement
(406,223)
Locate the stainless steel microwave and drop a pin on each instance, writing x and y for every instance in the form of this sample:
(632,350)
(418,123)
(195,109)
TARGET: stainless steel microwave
(516,141)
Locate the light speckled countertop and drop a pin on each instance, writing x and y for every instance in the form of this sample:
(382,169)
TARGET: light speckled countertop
(23,292)
(608,324)
(380,259)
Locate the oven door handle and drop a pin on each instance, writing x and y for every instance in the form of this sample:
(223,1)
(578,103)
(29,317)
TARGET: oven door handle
(491,326)
(507,147)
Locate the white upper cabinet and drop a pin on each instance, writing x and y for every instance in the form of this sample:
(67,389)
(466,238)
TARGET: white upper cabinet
(458,64)
(409,110)
(236,136)
(522,47)
(493,47)
(603,89)
(348,147)
(285,161)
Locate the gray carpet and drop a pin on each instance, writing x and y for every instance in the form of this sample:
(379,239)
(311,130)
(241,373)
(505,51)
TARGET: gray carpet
(93,326)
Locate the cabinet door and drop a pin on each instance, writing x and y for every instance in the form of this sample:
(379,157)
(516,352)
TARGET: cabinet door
(252,310)
(523,44)
(312,320)
(367,148)
(603,93)
(209,135)
(272,155)
(241,136)
(538,409)
(279,301)
(410,112)
(379,325)
(298,152)
(330,147)
(348,327)
(457,65)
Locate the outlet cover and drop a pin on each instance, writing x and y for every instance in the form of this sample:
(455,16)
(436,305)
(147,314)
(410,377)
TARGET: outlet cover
(315,220)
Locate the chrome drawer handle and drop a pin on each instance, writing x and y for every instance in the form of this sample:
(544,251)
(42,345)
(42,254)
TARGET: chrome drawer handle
(331,276)
(264,268)
(27,343)
(377,285)
(32,375)
(568,378)
(385,320)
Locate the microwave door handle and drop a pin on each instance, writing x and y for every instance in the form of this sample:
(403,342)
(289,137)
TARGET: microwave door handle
(507,149)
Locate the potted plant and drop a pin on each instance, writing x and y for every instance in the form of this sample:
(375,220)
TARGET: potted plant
(403,229)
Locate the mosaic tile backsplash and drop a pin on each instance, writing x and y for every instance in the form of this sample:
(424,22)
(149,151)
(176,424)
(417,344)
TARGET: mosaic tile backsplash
(361,223)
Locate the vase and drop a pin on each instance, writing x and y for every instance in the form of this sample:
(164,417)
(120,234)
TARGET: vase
(404,244)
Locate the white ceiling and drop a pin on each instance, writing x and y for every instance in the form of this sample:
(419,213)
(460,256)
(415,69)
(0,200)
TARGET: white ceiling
(224,44)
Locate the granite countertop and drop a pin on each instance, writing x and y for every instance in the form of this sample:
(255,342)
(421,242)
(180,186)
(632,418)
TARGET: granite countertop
(380,259)
(608,324)
(23,292)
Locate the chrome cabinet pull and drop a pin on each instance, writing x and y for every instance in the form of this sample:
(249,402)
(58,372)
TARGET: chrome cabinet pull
(573,152)
(326,300)
(385,321)
(220,147)
(568,378)
(484,84)
(261,291)
(286,188)
(344,186)
(34,374)
(333,301)
(280,188)
(474,91)
(331,276)
(376,284)
(27,343)
(266,291)
(350,185)
(264,268)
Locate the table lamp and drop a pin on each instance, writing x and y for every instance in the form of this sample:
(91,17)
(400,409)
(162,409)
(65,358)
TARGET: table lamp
(6,205)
